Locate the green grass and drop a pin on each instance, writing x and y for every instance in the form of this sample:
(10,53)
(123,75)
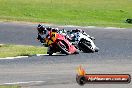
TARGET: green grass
(20,50)
(68,12)
(14,86)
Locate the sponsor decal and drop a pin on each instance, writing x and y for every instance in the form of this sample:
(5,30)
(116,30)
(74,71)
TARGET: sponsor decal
(82,78)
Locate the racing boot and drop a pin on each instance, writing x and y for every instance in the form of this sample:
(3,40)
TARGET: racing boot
(49,51)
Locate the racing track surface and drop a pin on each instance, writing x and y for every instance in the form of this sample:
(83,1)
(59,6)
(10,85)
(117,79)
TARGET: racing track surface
(115,56)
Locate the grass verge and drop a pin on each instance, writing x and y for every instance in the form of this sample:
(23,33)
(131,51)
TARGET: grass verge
(69,12)
(20,50)
(14,86)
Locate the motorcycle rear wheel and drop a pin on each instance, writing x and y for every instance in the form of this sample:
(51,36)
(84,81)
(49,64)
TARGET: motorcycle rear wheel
(86,48)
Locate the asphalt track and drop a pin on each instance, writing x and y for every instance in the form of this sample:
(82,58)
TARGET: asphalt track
(115,56)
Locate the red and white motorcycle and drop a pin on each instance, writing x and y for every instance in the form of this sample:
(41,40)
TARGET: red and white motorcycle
(58,43)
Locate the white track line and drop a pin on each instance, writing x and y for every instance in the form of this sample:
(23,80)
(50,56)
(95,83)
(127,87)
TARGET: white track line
(78,26)
(19,83)
(17,57)
(14,57)
(90,26)
(84,26)
(113,28)
(48,54)
(41,54)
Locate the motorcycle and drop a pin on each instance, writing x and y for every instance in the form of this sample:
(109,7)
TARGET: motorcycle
(58,43)
(85,43)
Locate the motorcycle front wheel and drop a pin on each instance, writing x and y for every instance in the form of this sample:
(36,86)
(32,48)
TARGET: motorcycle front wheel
(63,47)
(86,47)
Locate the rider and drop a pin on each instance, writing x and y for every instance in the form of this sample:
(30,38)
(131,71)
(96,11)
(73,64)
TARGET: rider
(50,39)
(49,28)
(43,33)
(74,34)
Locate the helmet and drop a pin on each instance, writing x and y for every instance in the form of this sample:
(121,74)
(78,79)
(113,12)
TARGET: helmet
(64,31)
(55,29)
(49,28)
(39,26)
(76,30)
(41,29)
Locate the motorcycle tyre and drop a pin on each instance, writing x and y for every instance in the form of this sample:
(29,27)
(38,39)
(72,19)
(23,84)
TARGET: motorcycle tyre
(86,48)
(63,50)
